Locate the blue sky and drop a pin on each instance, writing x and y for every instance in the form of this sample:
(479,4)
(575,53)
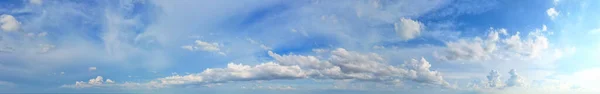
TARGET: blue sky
(300,46)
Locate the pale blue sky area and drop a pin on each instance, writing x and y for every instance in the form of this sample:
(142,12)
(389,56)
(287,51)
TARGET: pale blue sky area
(300,46)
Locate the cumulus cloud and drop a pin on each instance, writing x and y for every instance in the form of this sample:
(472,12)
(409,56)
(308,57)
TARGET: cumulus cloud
(552,13)
(494,79)
(341,65)
(472,49)
(239,72)
(408,29)
(204,46)
(549,85)
(8,23)
(515,79)
(495,46)
(94,82)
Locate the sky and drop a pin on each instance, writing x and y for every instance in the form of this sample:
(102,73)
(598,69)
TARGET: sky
(300,46)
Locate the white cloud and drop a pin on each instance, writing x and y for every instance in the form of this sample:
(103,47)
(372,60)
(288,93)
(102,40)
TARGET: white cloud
(204,46)
(494,79)
(265,47)
(552,13)
(496,47)
(515,79)
(108,81)
(420,72)
(472,49)
(8,23)
(566,84)
(341,65)
(408,29)
(36,2)
(94,82)
(92,68)
(97,80)
(239,72)
(544,28)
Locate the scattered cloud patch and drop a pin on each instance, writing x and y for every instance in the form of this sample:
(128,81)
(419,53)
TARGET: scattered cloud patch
(95,82)
(342,65)
(92,69)
(8,23)
(204,46)
(494,79)
(515,79)
(496,47)
(552,13)
(408,29)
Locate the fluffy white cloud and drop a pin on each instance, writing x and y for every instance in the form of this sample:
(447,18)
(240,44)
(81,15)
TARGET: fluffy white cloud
(496,47)
(408,29)
(419,71)
(515,79)
(494,79)
(204,46)
(94,82)
(239,72)
(8,23)
(552,13)
(341,65)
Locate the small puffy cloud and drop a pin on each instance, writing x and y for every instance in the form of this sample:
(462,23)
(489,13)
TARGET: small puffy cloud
(36,2)
(420,72)
(544,28)
(408,29)
(552,13)
(494,79)
(204,46)
(515,79)
(8,23)
(94,82)
(92,68)
(108,81)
